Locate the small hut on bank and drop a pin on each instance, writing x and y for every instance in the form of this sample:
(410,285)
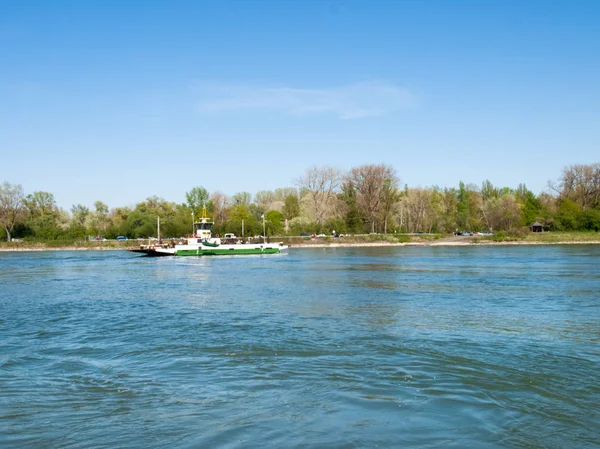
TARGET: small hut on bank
(537,227)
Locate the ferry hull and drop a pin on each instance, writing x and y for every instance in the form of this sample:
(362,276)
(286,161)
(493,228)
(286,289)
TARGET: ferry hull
(152,252)
(225,251)
(201,250)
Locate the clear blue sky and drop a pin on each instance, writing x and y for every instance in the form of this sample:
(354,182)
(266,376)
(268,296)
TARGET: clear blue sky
(120,100)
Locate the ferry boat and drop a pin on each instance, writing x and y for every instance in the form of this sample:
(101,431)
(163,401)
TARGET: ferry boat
(202,243)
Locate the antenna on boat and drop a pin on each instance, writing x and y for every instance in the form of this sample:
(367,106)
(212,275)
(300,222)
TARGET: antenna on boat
(203,210)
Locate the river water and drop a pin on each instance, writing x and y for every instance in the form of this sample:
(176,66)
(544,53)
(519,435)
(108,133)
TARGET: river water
(454,347)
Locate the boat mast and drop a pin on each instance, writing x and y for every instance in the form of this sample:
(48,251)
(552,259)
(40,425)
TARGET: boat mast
(158,228)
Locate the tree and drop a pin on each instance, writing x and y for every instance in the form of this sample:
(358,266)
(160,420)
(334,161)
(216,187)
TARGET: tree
(352,216)
(319,185)
(417,209)
(12,210)
(241,198)
(391,195)
(488,191)
(291,207)
(219,205)
(282,193)
(264,199)
(568,214)
(302,225)
(118,222)
(580,184)
(101,208)
(320,210)
(240,212)
(510,212)
(101,217)
(41,203)
(448,209)
(474,200)
(142,221)
(489,212)
(530,205)
(370,183)
(274,222)
(44,215)
(590,220)
(462,207)
(80,214)
(196,198)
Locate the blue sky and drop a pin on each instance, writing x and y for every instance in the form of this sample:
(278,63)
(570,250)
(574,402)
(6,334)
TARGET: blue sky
(117,101)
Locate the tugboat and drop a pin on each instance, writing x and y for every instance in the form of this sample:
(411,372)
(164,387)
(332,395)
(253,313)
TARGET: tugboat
(202,243)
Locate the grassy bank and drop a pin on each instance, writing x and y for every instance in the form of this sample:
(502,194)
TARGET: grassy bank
(542,237)
(381,239)
(557,237)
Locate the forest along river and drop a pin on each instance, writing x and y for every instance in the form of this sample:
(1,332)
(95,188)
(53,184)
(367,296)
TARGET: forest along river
(483,347)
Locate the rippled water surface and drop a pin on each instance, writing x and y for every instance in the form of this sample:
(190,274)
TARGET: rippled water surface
(482,347)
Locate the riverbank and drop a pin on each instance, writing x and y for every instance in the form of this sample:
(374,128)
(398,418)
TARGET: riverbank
(67,246)
(442,243)
(342,242)
(547,238)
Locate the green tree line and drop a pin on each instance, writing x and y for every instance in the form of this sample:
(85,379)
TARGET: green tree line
(365,199)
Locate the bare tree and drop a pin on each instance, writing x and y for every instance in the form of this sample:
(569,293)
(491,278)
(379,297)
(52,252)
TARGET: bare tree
(370,182)
(220,205)
(242,198)
(416,205)
(319,186)
(264,199)
(511,211)
(502,212)
(448,209)
(282,193)
(12,207)
(580,184)
(328,206)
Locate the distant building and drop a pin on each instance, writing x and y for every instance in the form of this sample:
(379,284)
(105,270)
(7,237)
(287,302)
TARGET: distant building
(537,227)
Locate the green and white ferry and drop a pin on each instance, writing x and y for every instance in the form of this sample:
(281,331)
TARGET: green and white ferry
(202,243)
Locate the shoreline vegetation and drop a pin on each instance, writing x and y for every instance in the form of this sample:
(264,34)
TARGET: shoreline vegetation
(379,240)
(366,202)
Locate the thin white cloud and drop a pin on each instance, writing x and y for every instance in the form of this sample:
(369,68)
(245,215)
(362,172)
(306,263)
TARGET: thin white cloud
(371,99)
